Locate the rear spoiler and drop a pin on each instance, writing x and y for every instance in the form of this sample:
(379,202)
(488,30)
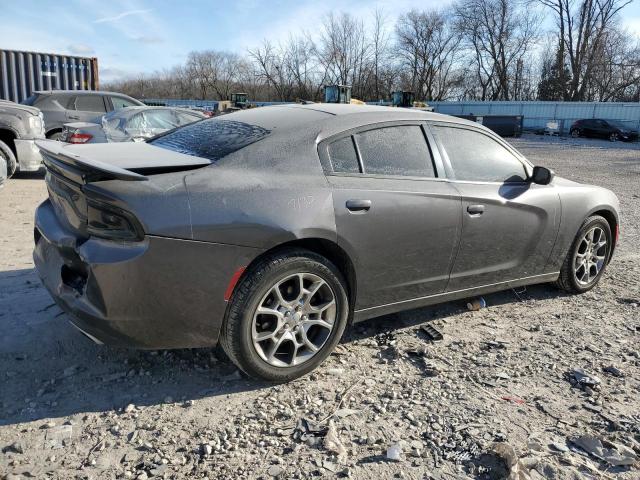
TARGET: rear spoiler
(83,169)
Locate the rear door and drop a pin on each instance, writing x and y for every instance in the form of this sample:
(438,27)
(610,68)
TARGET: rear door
(509,224)
(85,108)
(395,215)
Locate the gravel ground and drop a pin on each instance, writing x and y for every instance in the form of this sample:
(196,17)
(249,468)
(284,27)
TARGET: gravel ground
(494,399)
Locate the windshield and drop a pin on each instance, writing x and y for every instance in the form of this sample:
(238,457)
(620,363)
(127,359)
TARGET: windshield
(212,139)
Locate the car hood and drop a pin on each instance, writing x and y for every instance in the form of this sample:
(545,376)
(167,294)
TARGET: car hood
(7,105)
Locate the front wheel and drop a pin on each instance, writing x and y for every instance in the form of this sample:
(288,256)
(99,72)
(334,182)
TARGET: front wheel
(286,316)
(9,158)
(588,256)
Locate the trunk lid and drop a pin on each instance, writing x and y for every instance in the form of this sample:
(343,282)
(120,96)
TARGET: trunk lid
(71,167)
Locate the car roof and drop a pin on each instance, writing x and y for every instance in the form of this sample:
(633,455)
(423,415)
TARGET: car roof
(79,92)
(130,111)
(327,119)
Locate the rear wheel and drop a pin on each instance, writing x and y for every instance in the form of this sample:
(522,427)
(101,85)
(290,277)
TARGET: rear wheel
(587,257)
(9,158)
(286,316)
(575,133)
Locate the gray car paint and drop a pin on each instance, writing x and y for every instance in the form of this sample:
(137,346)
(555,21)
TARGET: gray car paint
(203,226)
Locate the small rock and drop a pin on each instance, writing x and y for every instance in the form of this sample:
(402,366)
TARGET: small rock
(394,452)
(129,408)
(207,449)
(275,470)
(15,447)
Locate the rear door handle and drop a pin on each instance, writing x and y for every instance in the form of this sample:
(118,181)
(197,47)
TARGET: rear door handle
(357,205)
(74,117)
(475,209)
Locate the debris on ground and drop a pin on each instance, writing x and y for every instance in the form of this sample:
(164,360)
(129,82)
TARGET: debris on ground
(333,443)
(432,332)
(476,304)
(613,453)
(583,379)
(394,452)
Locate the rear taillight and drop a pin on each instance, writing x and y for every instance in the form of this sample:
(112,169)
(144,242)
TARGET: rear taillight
(112,223)
(79,138)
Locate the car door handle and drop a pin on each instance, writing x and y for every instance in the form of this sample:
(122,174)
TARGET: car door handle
(475,209)
(74,117)
(357,205)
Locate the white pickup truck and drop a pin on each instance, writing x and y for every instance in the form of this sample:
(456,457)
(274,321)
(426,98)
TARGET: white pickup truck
(20,127)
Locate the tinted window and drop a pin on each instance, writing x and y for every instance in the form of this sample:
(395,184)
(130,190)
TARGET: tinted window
(119,102)
(342,154)
(213,138)
(398,150)
(475,156)
(90,103)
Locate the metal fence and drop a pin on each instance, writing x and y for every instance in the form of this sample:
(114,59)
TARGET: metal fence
(538,114)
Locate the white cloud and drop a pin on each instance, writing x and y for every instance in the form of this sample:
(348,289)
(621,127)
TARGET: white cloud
(122,15)
(80,49)
(633,25)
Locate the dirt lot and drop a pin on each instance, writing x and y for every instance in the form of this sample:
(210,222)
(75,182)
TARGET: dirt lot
(71,409)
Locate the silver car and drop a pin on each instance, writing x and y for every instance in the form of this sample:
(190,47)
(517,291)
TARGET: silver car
(131,124)
(62,106)
(270,230)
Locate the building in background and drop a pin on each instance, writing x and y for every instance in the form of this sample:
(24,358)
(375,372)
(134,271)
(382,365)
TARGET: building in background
(22,73)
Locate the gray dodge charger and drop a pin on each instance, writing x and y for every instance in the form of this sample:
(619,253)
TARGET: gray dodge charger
(270,230)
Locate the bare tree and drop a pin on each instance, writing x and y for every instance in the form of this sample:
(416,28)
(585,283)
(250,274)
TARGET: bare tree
(582,30)
(428,48)
(500,35)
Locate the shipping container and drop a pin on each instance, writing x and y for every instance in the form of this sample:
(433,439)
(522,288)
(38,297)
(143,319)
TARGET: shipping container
(22,73)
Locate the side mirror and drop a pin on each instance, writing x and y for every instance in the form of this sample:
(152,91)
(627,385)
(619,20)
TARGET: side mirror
(542,175)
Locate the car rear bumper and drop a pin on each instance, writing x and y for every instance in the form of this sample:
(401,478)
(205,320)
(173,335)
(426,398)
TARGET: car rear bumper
(157,293)
(29,156)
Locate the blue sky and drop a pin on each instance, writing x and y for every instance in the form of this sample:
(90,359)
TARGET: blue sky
(130,37)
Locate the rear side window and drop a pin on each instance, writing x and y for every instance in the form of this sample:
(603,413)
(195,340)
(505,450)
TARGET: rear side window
(119,102)
(400,150)
(342,154)
(477,157)
(90,103)
(213,138)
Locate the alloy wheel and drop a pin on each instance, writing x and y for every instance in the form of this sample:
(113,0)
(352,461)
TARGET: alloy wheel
(294,320)
(590,256)
(575,133)
(613,137)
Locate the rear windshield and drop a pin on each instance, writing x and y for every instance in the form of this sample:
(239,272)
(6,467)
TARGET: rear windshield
(212,139)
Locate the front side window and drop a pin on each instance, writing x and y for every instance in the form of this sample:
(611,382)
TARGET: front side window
(90,103)
(400,150)
(212,139)
(342,154)
(476,157)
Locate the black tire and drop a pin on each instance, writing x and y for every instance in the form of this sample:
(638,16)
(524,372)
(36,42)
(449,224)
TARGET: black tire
(575,133)
(7,154)
(57,136)
(235,337)
(613,137)
(568,280)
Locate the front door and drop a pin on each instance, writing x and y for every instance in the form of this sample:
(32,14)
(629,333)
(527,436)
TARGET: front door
(509,224)
(397,220)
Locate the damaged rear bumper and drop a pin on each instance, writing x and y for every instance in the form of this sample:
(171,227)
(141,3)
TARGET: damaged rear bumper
(157,293)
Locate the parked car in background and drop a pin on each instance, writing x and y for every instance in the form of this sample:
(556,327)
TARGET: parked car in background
(129,124)
(62,106)
(612,130)
(271,229)
(20,127)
